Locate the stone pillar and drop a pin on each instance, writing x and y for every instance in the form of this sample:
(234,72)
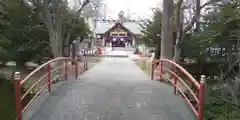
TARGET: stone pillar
(133,41)
(92,42)
(103,41)
(77,45)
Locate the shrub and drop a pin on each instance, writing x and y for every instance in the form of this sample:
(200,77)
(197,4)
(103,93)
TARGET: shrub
(2,79)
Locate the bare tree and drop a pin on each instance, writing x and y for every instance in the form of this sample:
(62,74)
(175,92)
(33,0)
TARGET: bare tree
(92,9)
(197,14)
(181,28)
(167,30)
(54,13)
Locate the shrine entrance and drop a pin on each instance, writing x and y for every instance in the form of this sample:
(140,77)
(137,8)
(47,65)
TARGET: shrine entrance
(118,41)
(118,36)
(118,44)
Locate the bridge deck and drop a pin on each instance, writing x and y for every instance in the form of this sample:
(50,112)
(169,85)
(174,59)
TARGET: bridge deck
(114,89)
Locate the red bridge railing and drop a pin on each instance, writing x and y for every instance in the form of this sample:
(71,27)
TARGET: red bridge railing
(179,77)
(62,65)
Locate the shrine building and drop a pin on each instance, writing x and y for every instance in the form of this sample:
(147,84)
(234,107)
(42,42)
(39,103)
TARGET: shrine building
(116,33)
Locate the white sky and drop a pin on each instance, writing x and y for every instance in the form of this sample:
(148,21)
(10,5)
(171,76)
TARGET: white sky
(138,8)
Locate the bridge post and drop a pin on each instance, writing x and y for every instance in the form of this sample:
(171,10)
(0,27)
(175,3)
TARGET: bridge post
(161,70)
(66,70)
(174,80)
(76,68)
(74,50)
(49,69)
(85,66)
(144,64)
(152,72)
(201,98)
(74,60)
(17,84)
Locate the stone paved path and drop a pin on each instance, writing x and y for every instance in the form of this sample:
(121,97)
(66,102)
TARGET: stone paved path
(114,89)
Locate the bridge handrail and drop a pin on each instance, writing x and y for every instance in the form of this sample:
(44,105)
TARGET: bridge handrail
(42,66)
(40,79)
(182,81)
(181,91)
(19,83)
(35,96)
(200,86)
(185,72)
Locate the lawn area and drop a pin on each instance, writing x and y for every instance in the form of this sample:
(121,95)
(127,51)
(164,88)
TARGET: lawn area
(7,102)
(147,68)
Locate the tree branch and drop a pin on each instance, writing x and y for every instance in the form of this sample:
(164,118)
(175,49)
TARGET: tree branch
(194,19)
(178,13)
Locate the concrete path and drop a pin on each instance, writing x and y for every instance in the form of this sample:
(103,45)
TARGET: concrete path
(114,89)
(117,52)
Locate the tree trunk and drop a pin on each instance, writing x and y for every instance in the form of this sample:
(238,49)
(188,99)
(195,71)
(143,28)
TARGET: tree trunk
(178,46)
(157,50)
(66,44)
(177,53)
(179,32)
(167,32)
(197,14)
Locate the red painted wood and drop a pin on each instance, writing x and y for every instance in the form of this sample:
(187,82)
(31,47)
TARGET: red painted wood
(17,84)
(76,69)
(66,70)
(176,72)
(174,81)
(201,99)
(49,70)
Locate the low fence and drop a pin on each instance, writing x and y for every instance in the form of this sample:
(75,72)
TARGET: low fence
(89,52)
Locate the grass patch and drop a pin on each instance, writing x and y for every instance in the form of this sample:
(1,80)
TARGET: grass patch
(146,68)
(7,101)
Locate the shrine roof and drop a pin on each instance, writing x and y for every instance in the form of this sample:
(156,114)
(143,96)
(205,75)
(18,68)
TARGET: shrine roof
(104,26)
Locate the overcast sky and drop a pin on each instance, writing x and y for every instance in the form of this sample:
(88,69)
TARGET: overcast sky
(138,8)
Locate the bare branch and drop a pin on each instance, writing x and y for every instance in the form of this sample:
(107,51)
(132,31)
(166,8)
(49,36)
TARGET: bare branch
(178,13)
(208,3)
(194,19)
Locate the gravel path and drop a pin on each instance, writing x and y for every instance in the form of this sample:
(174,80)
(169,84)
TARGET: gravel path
(114,89)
